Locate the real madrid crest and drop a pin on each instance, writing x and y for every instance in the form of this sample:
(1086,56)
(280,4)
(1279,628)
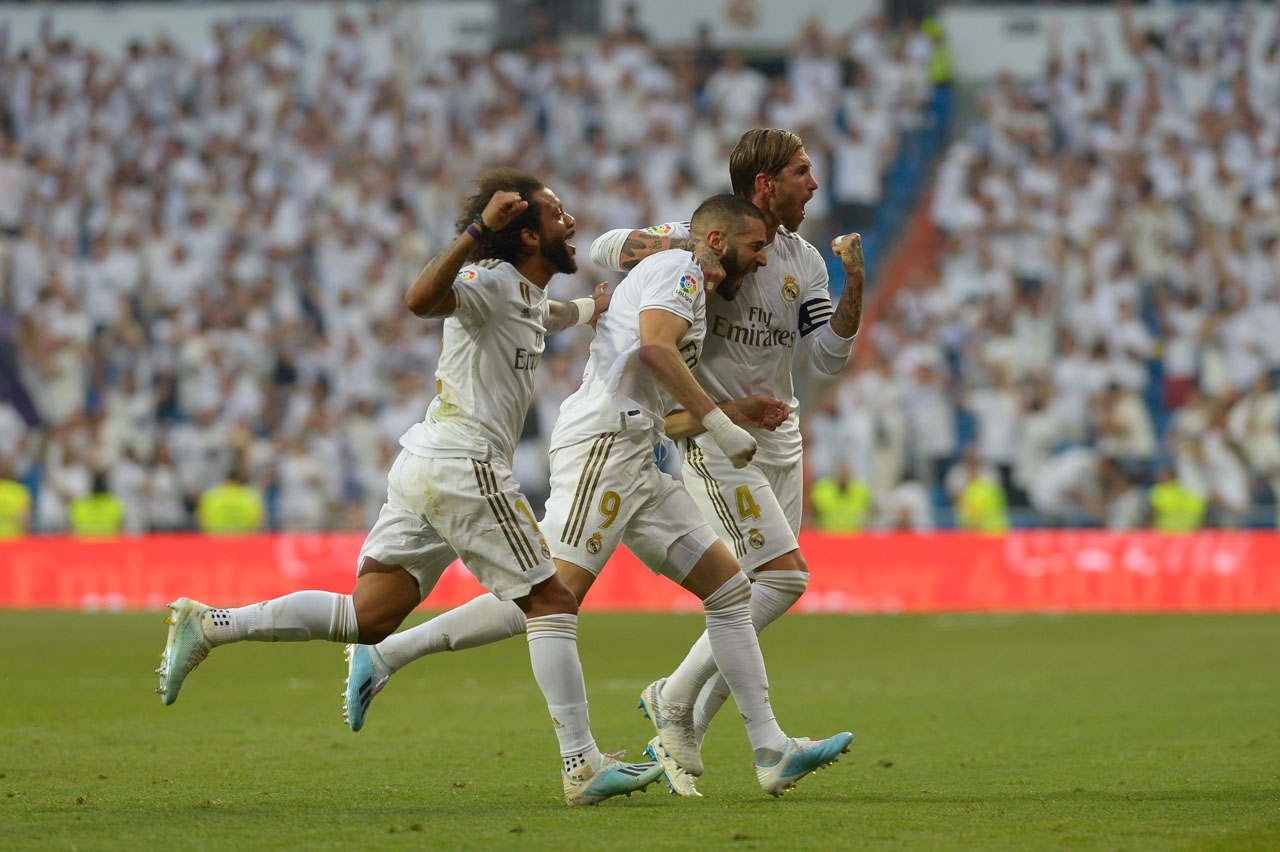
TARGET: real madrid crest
(546,551)
(755,538)
(594,543)
(790,290)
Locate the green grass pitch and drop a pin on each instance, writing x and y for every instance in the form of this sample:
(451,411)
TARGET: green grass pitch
(971,733)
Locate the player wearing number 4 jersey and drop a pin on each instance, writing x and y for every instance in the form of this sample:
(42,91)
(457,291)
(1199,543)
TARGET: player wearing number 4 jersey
(607,490)
(450,493)
(751,342)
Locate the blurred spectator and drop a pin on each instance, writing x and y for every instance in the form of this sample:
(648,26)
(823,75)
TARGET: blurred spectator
(15,507)
(1174,506)
(1125,506)
(231,508)
(1068,489)
(907,508)
(840,503)
(979,501)
(99,512)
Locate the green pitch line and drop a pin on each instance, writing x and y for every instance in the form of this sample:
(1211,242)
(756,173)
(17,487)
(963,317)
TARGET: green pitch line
(971,733)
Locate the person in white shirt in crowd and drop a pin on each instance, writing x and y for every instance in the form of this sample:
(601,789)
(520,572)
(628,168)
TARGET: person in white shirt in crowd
(1068,489)
(1253,423)
(906,508)
(1122,426)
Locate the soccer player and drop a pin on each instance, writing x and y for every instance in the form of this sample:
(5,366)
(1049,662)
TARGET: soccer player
(752,335)
(450,493)
(606,489)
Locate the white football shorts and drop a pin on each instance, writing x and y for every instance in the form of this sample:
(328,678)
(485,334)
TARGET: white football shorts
(609,491)
(755,510)
(438,510)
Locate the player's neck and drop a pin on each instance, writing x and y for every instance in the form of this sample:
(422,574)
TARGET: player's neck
(537,271)
(771,222)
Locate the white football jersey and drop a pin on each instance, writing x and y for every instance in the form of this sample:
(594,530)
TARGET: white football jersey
(484,381)
(618,393)
(751,340)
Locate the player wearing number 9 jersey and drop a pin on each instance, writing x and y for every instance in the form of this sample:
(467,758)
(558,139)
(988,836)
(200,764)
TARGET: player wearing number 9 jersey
(750,346)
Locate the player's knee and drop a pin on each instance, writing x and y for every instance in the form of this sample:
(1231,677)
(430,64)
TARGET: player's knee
(373,630)
(551,597)
(790,561)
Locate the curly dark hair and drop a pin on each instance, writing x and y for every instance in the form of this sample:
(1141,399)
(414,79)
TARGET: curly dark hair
(504,244)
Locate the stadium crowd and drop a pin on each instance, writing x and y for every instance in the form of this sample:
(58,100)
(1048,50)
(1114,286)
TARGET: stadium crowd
(1095,343)
(203,254)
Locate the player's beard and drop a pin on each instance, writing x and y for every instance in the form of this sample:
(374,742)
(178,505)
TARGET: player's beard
(791,214)
(735,269)
(560,256)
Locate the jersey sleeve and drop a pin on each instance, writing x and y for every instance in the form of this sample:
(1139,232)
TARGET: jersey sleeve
(606,250)
(815,293)
(677,288)
(828,351)
(476,290)
(675,230)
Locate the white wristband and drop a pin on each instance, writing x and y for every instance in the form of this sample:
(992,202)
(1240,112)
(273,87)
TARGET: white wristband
(586,310)
(715,420)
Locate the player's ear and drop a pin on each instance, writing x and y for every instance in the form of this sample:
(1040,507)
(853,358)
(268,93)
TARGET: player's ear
(717,240)
(764,184)
(531,238)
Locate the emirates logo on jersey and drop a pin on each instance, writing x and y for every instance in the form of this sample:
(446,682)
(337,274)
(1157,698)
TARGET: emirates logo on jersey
(790,290)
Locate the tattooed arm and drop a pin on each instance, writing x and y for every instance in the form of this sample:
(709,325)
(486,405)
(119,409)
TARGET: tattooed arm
(562,315)
(828,333)
(848,315)
(622,250)
(431,294)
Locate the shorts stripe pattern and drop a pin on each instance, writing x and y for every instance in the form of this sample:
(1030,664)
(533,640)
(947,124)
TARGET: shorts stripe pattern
(585,495)
(695,459)
(502,510)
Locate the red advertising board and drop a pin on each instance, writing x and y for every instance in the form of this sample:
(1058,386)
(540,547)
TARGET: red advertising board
(1052,570)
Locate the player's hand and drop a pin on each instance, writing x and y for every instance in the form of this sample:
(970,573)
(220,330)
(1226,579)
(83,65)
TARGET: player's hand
(849,249)
(734,441)
(502,208)
(601,299)
(712,270)
(758,410)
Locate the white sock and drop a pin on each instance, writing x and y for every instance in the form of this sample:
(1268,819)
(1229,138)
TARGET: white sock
(712,697)
(477,622)
(298,617)
(553,653)
(772,594)
(737,654)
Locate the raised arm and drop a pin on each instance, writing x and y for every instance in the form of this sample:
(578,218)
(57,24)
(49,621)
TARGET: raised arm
(848,315)
(828,333)
(660,334)
(431,294)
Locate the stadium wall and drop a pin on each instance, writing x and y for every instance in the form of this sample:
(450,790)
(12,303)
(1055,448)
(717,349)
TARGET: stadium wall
(1034,571)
